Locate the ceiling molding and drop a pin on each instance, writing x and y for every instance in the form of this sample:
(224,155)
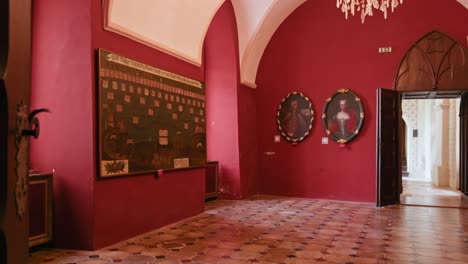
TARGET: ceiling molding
(249,17)
(464,3)
(273,16)
(179,27)
(185,37)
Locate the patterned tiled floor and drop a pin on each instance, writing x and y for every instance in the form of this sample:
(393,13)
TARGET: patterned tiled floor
(287,230)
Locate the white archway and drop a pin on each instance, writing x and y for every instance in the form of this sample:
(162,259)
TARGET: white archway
(179,27)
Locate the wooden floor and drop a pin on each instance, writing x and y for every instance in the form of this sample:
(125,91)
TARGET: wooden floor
(274,230)
(422,193)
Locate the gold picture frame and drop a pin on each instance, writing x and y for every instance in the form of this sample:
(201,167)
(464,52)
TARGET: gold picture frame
(343,116)
(295,117)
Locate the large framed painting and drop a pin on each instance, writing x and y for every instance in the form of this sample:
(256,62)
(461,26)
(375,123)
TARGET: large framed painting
(343,116)
(294,117)
(149,119)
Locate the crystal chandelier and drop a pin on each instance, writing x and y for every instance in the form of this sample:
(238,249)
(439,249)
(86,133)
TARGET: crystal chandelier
(366,6)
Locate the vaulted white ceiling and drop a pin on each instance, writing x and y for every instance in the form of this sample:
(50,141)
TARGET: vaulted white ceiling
(178,27)
(257,21)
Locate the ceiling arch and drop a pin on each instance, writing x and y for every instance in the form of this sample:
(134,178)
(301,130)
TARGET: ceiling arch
(185,23)
(464,3)
(175,27)
(179,27)
(257,21)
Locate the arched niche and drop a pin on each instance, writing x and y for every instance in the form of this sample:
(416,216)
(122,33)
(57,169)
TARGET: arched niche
(436,63)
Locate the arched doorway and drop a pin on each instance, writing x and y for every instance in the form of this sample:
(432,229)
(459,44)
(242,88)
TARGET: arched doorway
(436,66)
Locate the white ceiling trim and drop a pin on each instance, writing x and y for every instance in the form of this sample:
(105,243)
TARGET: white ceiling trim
(179,27)
(464,3)
(272,18)
(184,36)
(249,17)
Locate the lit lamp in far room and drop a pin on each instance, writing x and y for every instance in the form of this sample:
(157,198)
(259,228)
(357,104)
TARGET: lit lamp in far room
(366,7)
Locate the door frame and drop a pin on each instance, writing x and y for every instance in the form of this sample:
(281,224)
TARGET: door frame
(463,184)
(387,196)
(438,79)
(446,94)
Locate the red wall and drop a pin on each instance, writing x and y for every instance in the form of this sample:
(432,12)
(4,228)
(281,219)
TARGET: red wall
(90,213)
(316,51)
(61,81)
(130,206)
(221,77)
(248,141)
(231,113)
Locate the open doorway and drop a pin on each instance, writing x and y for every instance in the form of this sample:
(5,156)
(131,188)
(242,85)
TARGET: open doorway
(431,152)
(433,68)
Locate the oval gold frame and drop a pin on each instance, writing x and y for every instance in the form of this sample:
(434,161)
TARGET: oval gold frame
(341,95)
(305,113)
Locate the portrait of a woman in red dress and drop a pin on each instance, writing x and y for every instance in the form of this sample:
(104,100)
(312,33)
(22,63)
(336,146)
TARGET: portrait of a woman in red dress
(343,116)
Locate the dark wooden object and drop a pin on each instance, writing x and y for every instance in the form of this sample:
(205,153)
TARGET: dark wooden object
(464,144)
(15,85)
(435,67)
(40,208)
(388,154)
(212,170)
(4,25)
(434,63)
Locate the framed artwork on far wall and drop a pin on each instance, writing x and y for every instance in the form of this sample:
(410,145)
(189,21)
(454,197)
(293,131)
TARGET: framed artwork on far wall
(294,117)
(343,116)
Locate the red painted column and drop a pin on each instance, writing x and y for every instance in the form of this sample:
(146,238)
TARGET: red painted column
(222,82)
(231,110)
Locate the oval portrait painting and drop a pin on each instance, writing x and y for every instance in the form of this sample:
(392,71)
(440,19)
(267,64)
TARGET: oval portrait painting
(343,116)
(294,117)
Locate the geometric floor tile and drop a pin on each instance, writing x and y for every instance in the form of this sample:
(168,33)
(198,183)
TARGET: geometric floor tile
(292,231)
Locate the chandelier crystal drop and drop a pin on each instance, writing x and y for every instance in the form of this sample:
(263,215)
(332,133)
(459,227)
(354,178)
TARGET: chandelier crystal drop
(366,7)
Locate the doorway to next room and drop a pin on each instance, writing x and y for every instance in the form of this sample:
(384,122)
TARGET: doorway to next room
(432,73)
(430,151)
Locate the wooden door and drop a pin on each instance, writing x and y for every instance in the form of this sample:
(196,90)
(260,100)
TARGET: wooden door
(15,82)
(3,106)
(4,21)
(388,154)
(464,143)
